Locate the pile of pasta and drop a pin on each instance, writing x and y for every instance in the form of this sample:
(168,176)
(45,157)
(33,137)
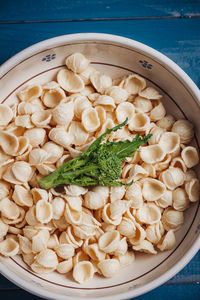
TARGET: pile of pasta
(94,229)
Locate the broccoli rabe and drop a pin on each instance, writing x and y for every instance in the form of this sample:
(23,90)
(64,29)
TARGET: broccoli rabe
(101,164)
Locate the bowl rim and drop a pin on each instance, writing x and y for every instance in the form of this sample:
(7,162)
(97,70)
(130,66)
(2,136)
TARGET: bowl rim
(170,65)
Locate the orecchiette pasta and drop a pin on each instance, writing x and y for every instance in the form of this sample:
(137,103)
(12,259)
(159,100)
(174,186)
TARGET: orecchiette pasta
(88,230)
(108,242)
(180,199)
(158,112)
(166,122)
(6,115)
(173,177)
(106,102)
(153,189)
(69,81)
(190,156)
(65,251)
(100,82)
(142,105)
(3,229)
(116,193)
(117,93)
(148,214)
(165,200)
(145,246)
(30,92)
(192,188)
(77,62)
(64,266)
(127,227)
(23,121)
(22,196)
(172,219)
(139,122)
(125,110)
(36,136)
(41,118)
(152,154)
(169,142)
(53,97)
(83,271)
(85,75)
(9,247)
(150,93)
(96,198)
(60,136)
(126,259)
(184,129)
(134,84)
(168,241)
(77,133)
(9,142)
(155,232)
(90,119)
(109,267)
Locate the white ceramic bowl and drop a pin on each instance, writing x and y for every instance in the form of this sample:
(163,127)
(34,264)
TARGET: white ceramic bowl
(116,56)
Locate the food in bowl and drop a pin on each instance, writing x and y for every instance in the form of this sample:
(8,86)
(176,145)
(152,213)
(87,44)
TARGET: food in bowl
(92,229)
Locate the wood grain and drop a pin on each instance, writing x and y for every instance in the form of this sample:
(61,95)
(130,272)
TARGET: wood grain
(34,10)
(179,39)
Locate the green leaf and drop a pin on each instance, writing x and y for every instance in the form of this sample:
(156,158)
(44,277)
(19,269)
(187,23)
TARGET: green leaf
(125,148)
(100,139)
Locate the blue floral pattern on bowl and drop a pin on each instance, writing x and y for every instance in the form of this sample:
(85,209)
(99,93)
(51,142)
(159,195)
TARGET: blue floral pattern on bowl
(49,57)
(145,64)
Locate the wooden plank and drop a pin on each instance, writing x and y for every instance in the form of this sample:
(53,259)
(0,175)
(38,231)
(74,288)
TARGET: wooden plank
(191,273)
(179,39)
(33,10)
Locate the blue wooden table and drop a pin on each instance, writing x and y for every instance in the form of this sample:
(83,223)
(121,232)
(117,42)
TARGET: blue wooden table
(172,27)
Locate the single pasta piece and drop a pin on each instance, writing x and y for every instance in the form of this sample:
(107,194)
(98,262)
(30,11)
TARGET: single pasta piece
(51,98)
(77,62)
(133,84)
(117,93)
(148,214)
(172,177)
(190,156)
(69,81)
(150,93)
(180,199)
(30,92)
(9,247)
(184,129)
(6,114)
(90,120)
(153,189)
(145,246)
(172,219)
(192,188)
(109,267)
(83,271)
(168,241)
(169,142)
(100,81)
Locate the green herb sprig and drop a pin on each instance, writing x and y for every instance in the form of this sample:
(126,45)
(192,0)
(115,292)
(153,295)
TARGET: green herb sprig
(101,164)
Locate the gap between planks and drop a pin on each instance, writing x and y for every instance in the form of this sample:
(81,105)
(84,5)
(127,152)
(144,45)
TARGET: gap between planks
(189,16)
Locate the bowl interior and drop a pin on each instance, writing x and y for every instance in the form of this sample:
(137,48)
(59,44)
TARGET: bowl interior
(116,60)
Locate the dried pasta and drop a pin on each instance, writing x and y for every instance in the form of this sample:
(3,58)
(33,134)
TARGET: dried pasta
(91,230)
